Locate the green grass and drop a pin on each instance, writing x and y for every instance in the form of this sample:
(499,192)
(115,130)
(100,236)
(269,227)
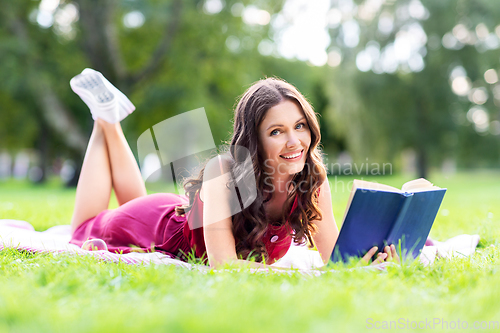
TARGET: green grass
(71,293)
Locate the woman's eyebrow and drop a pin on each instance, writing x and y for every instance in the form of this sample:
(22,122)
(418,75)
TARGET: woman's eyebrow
(278,125)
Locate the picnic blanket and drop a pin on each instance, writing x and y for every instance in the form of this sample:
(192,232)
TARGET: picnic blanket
(22,236)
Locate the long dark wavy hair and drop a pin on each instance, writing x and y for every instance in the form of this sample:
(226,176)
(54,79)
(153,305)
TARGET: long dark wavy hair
(250,225)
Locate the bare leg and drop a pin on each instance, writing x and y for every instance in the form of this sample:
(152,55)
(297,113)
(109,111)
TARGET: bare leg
(94,185)
(125,173)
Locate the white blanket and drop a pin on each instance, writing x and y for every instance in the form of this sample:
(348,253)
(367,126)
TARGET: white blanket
(22,236)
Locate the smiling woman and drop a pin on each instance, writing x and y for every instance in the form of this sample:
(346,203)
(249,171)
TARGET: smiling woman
(278,128)
(273,171)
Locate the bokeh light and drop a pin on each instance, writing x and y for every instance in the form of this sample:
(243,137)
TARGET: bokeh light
(478,96)
(334,17)
(266,47)
(491,76)
(334,57)
(301,31)
(255,16)
(417,10)
(350,32)
(460,83)
(482,31)
(213,6)
(237,9)
(385,23)
(134,19)
(363,61)
(495,127)
(496,92)
(233,43)
(479,117)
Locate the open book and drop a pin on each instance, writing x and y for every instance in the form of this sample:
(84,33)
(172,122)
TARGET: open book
(380,215)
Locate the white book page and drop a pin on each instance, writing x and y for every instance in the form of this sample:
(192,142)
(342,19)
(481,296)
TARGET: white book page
(419,185)
(413,186)
(374,186)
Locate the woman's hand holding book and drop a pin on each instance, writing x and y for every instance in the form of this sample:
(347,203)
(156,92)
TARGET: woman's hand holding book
(389,254)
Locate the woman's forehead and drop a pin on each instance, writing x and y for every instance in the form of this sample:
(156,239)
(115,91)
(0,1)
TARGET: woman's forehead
(283,113)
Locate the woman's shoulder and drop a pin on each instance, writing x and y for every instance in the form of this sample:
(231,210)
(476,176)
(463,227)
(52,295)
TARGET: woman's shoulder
(215,168)
(218,165)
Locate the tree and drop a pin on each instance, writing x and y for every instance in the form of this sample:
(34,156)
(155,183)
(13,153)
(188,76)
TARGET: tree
(169,57)
(394,86)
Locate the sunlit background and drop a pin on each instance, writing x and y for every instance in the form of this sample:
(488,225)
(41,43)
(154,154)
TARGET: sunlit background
(411,83)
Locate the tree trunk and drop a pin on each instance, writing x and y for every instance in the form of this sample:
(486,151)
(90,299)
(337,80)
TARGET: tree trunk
(422,163)
(52,109)
(43,148)
(422,154)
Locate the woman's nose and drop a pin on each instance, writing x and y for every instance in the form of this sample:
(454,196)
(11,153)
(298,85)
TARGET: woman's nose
(293,141)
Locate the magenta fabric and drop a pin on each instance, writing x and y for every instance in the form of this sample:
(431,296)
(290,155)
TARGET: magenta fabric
(150,224)
(144,224)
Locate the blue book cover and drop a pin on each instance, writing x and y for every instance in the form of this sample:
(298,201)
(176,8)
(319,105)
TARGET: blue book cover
(380,215)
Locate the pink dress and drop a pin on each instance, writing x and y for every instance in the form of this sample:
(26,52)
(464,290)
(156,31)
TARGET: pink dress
(149,224)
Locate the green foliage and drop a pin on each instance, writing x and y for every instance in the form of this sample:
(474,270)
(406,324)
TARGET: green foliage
(196,70)
(372,116)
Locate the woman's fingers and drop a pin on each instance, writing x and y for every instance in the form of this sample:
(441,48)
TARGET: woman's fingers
(381,257)
(390,254)
(366,258)
(388,251)
(395,256)
(393,250)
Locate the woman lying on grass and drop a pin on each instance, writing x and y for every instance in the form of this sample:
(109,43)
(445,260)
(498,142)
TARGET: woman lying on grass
(277,128)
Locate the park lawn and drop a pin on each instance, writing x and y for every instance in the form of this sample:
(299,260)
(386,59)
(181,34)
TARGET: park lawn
(73,293)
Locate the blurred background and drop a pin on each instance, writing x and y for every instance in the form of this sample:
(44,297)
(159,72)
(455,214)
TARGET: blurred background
(413,84)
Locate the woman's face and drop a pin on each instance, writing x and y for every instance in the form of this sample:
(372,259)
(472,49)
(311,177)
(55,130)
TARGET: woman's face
(284,139)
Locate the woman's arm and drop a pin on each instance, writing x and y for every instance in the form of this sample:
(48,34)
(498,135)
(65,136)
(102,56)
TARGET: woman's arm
(217,216)
(327,231)
(217,219)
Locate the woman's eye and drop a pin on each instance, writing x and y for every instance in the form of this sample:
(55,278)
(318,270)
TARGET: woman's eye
(300,126)
(275,132)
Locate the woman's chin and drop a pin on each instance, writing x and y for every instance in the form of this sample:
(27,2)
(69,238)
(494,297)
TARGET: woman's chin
(295,169)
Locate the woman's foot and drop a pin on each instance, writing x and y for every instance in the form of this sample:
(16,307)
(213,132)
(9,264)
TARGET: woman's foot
(104,100)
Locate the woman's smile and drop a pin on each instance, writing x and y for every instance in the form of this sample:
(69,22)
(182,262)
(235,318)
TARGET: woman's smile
(294,156)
